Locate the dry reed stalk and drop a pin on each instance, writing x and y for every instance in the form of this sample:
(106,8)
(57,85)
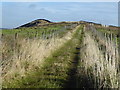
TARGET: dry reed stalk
(104,67)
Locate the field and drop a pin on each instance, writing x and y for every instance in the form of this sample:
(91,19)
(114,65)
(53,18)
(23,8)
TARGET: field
(61,55)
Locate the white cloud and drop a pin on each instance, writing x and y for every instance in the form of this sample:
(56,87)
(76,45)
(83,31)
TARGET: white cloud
(60,0)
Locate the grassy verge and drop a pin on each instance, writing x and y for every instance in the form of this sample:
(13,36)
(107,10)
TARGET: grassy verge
(55,71)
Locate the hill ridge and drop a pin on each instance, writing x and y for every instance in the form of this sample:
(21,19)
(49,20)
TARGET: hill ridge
(37,22)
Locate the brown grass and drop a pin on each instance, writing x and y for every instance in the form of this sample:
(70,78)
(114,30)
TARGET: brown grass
(29,54)
(101,65)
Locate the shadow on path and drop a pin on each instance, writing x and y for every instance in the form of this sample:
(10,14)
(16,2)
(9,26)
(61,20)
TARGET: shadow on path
(78,79)
(72,82)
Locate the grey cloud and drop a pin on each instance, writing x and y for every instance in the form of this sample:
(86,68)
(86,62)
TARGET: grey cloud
(32,6)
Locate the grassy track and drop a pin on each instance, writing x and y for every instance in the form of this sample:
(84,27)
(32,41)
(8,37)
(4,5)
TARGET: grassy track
(83,61)
(57,70)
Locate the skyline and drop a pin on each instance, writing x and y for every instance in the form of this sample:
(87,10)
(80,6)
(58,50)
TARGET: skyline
(15,14)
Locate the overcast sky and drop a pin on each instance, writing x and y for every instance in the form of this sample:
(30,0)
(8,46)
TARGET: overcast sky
(15,14)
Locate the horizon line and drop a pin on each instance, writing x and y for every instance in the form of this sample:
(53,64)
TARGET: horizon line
(63,21)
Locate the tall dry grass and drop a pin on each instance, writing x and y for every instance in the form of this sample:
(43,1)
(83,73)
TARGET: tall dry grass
(101,59)
(29,54)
